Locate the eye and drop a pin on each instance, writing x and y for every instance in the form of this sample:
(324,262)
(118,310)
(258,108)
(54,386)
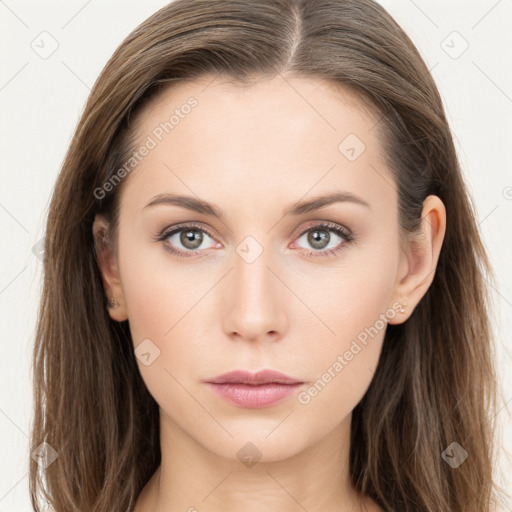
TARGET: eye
(326,238)
(186,239)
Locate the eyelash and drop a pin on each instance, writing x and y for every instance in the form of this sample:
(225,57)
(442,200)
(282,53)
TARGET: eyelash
(341,231)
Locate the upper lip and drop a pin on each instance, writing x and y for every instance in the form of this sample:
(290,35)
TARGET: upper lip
(261,377)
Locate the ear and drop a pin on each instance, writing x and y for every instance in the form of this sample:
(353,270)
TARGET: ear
(108,265)
(419,259)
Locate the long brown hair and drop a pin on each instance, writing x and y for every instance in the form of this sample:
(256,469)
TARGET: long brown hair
(435,383)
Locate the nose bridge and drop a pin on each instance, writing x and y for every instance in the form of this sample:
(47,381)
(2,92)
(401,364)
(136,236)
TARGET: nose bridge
(251,270)
(254,307)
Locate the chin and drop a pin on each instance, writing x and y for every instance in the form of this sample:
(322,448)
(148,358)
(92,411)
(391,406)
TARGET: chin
(259,441)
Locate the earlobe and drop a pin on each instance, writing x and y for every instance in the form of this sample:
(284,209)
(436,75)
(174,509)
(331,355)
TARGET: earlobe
(421,260)
(107,264)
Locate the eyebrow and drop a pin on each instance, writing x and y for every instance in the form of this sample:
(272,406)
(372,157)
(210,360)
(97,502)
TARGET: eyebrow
(298,208)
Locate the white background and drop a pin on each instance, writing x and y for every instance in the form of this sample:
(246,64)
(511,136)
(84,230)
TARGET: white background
(41,101)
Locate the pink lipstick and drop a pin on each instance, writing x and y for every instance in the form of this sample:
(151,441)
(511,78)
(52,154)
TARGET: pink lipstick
(254,390)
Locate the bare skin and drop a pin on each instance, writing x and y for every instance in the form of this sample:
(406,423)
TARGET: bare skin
(295,308)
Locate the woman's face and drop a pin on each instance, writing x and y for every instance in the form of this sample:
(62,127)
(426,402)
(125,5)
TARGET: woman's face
(269,283)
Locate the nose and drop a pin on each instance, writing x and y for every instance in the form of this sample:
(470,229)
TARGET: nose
(255,300)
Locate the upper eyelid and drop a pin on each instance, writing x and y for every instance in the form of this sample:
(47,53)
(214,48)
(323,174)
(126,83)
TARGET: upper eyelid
(180,227)
(328,225)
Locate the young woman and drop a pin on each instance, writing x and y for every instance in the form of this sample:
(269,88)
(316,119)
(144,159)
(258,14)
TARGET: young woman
(264,283)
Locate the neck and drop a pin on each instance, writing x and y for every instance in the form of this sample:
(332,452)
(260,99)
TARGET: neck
(192,478)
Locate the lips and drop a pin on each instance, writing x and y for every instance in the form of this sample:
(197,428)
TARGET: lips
(254,390)
(255,379)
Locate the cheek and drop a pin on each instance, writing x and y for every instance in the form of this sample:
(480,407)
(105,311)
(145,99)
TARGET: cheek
(158,291)
(164,299)
(160,300)
(355,306)
(342,367)
(353,293)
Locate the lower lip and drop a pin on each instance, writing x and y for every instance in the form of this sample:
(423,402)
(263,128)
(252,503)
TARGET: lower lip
(254,397)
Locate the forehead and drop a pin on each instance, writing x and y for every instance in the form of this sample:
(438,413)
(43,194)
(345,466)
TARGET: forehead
(280,97)
(282,137)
